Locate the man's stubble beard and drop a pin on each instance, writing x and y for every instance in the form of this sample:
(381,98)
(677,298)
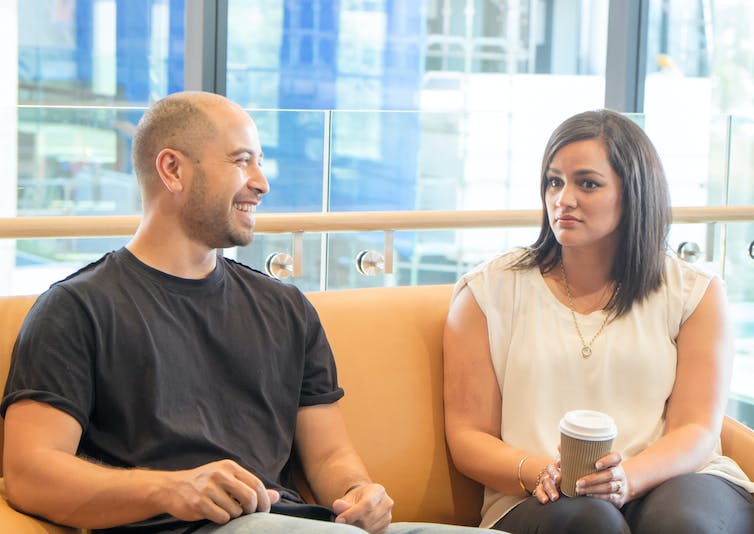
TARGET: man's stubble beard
(207,220)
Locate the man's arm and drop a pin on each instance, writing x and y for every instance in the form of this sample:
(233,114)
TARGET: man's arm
(43,476)
(336,473)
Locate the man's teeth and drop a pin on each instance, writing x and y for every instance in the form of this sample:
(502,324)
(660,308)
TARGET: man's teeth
(244,207)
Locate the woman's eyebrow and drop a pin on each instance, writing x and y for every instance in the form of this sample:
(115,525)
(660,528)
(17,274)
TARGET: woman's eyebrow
(580,172)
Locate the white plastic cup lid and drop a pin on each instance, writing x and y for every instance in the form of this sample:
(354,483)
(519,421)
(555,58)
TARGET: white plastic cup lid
(588,425)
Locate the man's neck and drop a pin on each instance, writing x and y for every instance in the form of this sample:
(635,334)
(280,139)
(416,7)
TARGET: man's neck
(172,253)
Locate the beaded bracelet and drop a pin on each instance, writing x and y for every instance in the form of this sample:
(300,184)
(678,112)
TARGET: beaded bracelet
(520,481)
(540,476)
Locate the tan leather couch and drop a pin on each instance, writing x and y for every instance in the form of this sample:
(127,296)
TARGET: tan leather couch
(388,346)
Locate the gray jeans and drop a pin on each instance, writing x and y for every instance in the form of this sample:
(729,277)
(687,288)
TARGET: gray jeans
(264,523)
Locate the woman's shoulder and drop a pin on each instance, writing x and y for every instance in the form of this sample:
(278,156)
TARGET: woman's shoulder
(680,272)
(494,271)
(505,261)
(685,284)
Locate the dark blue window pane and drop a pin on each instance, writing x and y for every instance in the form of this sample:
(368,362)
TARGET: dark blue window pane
(89,52)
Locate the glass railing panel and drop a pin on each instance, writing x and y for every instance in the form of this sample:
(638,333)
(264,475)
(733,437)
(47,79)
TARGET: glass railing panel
(739,278)
(71,161)
(263,246)
(76,161)
(294,149)
(436,160)
(692,150)
(740,168)
(30,266)
(698,243)
(739,266)
(420,257)
(343,249)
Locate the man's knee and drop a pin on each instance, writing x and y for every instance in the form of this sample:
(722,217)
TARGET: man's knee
(431,528)
(266,523)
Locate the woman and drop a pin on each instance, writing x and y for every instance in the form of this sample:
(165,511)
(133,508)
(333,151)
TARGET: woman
(595,315)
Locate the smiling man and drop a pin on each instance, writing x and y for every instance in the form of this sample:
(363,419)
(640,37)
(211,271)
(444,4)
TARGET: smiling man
(165,388)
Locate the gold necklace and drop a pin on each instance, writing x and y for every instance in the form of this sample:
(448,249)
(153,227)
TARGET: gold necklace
(586,348)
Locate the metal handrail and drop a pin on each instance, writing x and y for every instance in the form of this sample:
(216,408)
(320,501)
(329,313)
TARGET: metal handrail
(357,221)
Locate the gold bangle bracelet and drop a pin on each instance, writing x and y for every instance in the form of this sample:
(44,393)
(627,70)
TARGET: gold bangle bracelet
(520,481)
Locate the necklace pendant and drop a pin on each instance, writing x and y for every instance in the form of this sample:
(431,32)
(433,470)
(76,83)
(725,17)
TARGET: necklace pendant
(586,352)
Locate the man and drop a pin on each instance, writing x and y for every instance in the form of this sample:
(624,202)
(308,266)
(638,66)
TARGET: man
(164,388)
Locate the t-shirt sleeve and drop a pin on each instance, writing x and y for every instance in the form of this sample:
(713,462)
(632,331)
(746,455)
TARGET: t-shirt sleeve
(320,380)
(51,358)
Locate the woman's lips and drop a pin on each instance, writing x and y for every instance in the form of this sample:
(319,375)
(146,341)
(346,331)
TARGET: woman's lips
(567,221)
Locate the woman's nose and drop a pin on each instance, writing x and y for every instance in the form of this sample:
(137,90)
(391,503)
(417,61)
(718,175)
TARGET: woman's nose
(567,196)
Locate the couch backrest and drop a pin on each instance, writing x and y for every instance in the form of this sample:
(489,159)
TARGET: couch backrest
(388,348)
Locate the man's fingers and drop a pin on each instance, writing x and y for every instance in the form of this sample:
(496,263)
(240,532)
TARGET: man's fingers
(274,496)
(370,511)
(247,489)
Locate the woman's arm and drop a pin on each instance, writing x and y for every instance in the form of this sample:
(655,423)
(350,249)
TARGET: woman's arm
(695,409)
(473,405)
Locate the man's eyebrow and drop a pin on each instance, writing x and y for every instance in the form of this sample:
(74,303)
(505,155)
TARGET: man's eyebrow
(245,150)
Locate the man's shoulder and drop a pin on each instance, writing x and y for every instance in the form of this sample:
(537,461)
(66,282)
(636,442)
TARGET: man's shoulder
(91,275)
(261,282)
(75,292)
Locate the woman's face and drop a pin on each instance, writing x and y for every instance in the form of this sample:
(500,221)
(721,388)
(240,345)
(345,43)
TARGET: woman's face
(583,195)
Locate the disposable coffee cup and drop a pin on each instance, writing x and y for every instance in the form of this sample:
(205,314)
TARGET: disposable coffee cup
(585,437)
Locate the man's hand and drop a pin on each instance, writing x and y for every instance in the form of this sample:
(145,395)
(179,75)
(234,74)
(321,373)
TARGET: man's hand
(368,507)
(218,491)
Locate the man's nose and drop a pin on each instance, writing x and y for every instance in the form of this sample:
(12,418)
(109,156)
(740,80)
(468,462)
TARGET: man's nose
(258,181)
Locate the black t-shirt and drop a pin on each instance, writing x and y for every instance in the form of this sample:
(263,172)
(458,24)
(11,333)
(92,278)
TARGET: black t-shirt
(169,373)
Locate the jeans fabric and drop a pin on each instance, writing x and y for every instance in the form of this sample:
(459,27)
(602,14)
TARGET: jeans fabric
(266,523)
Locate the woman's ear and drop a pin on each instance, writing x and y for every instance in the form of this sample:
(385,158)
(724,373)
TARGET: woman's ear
(170,165)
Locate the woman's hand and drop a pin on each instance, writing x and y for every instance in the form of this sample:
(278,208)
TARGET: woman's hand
(609,483)
(547,488)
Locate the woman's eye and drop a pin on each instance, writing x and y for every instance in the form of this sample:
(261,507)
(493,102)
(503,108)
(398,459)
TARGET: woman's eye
(588,184)
(553,182)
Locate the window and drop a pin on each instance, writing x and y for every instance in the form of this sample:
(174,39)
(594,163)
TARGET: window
(699,104)
(439,105)
(86,69)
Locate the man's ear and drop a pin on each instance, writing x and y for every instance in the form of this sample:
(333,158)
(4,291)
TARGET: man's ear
(171,168)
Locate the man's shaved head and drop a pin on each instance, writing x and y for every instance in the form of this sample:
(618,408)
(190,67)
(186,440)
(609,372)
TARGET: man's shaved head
(179,121)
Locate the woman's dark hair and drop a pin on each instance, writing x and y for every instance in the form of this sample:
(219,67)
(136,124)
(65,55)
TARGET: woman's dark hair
(642,232)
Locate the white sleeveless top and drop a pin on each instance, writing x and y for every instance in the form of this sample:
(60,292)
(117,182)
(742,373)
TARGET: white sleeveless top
(630,374)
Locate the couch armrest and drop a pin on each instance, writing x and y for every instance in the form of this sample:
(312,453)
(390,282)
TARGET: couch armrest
(738,443)
(12,521)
